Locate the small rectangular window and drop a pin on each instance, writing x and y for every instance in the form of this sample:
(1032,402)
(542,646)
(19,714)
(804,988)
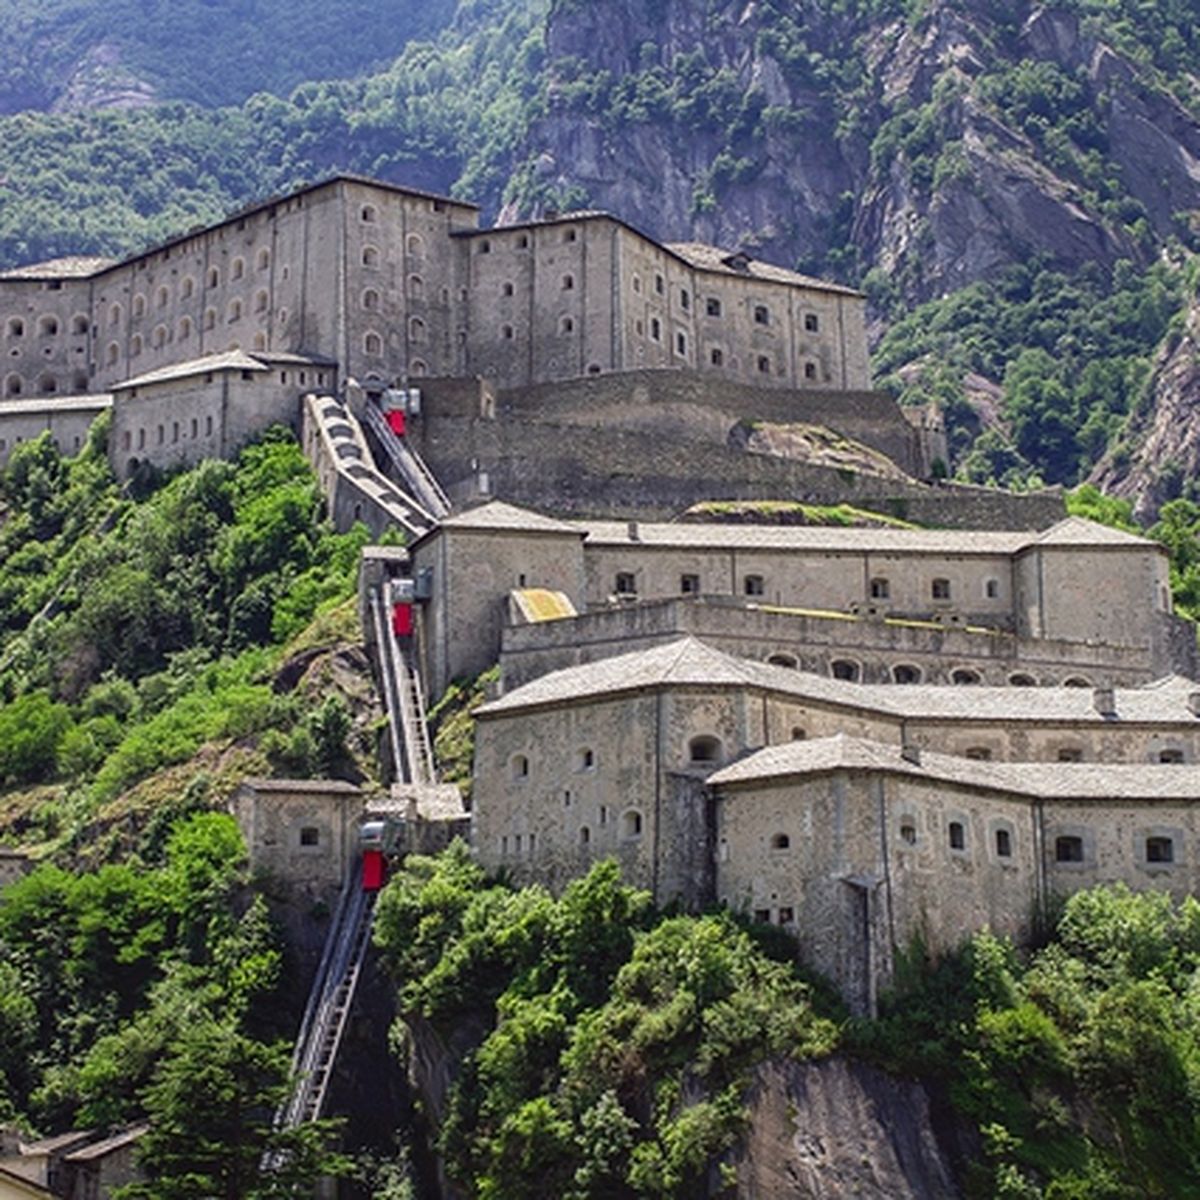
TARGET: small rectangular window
(958,836)
(811,323)
(685,301)
(626,583)
(753,585)
(762,916)
(1068,849)
(786,916)
(712,307)
(762,315)
(689,585)
(310,835)
(941,589)
(1003,843)
(1160,850)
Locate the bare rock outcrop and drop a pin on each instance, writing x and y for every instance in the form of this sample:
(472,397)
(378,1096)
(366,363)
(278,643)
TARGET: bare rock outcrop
(835,1129)
(1161,446)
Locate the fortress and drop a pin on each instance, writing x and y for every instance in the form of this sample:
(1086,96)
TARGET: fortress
(864,735)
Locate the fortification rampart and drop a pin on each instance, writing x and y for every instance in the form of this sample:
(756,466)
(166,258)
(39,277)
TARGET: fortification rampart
(838,644)
(658,464)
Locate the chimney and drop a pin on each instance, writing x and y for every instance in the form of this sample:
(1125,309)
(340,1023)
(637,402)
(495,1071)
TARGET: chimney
(911,753)
(1193,703)
(634,533)
(1105,701)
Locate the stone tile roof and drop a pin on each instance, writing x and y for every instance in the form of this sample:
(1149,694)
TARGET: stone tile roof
(231,360)
(56,404)
(116,1141)
(316,786)
(824,538)
(688,661)
(713,258)
(1078,531)
(78,266)
(496,514)
(1043,780)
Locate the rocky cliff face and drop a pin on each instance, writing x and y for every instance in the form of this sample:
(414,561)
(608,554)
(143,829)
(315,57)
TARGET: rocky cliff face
(837,1128)
(923,149)
(1161,448)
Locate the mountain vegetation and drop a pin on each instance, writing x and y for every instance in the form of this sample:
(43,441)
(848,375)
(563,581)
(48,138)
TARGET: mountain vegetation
(1008,182)
(615,1042)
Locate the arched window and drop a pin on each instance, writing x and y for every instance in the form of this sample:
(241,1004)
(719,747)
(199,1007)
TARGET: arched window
(261,302)
(139,305)
(160,336)
(506,289)
(210,318)
(15,327)
(1076,681)
(518,766)
(704,749)
(213,278)
(568,283)
(810,371)
(762,315)
(185,328)
(414,245)
(368,214)
(186,287)
(783,660)
(566,325)
(79,325)
(780,841)
(1004,846)
(370,256)
(264,259)
(957,833)
(418,367)
(79,382)
(237,268)
(260,341)
(12,385)
(1020,679)
(112,354)
(506,332)
(799,734)
(964,675)
(370,299)
(845,668)
(416,329)
(416,287)
(716,356)
(135,345)
(586,759)
(235,310)
(906,673)
(114,315)
(764,364)
(164,297)
(585,835)
(373,344)
(631,823)
(47,385)
(48,326)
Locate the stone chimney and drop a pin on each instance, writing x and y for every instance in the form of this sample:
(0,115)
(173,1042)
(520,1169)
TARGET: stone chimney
(1104,700)
(911,753)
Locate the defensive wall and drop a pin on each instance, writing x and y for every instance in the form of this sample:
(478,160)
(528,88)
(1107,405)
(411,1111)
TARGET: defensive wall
(862,648)
(662,460)
(66,418)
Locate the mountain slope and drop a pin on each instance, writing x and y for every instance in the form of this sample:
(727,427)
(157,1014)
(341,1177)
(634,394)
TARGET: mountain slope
(78,54)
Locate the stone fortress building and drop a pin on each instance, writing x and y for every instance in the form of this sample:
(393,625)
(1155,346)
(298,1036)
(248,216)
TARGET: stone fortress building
(386,285)
(864,735)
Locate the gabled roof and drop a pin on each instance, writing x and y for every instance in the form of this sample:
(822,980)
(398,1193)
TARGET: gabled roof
(688,661)
(498,515)
(1079,531)
(1042,780)
(722,262)
(75,266)
(108,1145)
(231,360)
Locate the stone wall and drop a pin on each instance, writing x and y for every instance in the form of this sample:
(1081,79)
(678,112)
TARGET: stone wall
(813,642)
(66,418)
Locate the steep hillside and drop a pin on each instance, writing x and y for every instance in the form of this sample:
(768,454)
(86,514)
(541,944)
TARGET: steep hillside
(79,54)
(1031,172)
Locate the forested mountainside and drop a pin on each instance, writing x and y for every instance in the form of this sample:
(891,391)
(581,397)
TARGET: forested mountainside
(1029,174)
(79,54)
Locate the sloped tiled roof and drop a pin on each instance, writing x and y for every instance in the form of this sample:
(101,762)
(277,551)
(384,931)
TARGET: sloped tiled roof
(1074,531)
(1045,780)
(496,514)
(713,258)
(231,360)
(688,661)
(76,266)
